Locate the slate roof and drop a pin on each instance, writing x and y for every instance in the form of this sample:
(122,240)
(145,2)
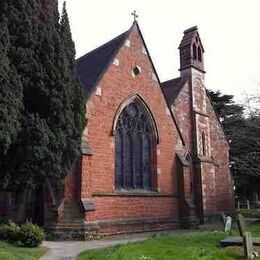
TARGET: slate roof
(172,88)
(91,67)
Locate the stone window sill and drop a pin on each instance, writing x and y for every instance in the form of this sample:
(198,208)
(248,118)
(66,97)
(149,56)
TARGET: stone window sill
(135,193)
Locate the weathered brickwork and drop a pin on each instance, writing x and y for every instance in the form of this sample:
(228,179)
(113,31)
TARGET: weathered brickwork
(220,154)
(196,116)
(182,111)
(98,171)
(129,207)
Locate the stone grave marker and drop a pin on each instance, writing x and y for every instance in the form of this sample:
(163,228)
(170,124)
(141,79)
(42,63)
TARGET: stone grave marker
(255,200)
(224,218)
(241,224)
(242,240)
(248,245)
(228,224)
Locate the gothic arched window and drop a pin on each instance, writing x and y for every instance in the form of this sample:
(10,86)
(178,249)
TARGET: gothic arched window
(203,143)
(199,54)
(194,51)
(134,146)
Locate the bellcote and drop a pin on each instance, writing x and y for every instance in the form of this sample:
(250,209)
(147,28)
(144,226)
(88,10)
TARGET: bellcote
(191,50)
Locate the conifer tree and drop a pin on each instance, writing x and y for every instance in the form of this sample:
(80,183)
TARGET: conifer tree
(10,94)
(74,87)
(49,142)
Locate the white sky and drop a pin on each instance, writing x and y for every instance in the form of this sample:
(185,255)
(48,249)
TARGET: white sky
(229,29)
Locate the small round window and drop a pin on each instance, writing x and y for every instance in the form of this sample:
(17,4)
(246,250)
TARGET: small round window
(136,71)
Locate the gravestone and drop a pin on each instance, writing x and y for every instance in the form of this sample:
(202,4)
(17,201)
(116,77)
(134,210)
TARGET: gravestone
(224,218)
(255,200)
(242,240)
(247,238)
(241,224)
(228,224)
(248,245)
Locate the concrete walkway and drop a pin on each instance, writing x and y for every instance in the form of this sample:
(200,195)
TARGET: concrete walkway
(70,249)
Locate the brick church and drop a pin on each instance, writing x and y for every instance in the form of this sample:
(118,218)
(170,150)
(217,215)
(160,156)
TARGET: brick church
(154,154)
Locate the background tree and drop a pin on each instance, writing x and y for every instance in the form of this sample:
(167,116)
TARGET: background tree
(242,131)
(229,112)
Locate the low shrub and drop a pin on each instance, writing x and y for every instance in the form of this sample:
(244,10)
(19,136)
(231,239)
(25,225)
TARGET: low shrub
(9,232)
(30,235)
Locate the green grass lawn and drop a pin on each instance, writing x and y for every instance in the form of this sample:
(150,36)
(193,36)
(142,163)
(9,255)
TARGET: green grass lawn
(255,229)
(200,245)
(249,213)
(10,252)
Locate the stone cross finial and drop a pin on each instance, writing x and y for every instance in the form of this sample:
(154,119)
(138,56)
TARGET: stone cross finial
(134,14)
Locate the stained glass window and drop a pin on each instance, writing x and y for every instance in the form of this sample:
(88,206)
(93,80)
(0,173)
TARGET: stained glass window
(134,141)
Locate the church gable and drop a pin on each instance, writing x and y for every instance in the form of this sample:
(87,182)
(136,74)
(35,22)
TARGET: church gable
(131,64)
(130,74)
(92,66)
(133,139)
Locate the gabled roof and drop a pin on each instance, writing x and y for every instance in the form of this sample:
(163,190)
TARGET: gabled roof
(188,37)
(91,66)
(172,88)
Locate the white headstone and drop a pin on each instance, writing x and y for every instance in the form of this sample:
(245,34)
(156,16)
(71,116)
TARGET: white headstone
(228,224)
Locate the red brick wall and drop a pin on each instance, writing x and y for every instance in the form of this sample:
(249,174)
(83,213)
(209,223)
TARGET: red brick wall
(98,171)
(213,177)
(220,153)
(120,207)
(209,195)
(183,114)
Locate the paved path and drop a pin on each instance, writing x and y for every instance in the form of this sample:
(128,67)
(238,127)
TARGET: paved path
(70,249)
(64,250)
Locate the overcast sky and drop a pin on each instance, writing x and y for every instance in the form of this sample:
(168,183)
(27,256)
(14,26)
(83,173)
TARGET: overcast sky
(229,29)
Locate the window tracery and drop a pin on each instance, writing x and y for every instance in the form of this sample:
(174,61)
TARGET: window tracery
(134,141)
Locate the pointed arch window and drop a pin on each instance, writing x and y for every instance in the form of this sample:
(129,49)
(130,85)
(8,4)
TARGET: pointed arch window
(199,54)
(134,148)
(203,142)
(194,51)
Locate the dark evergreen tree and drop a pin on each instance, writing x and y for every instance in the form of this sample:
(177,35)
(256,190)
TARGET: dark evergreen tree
(11,97)
(225,104)
(10,94)
(245,155)
(49,143)
(243,134)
